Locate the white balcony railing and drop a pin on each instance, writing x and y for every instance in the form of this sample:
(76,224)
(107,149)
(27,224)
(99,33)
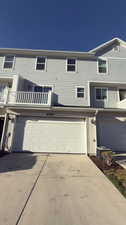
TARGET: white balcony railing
(30,98)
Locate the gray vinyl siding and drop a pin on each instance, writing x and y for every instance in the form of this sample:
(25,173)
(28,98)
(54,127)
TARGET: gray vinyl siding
(64,83)
(111,131)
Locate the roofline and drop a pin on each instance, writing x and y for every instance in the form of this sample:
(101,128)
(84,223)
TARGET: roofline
(38,52)
(107,44)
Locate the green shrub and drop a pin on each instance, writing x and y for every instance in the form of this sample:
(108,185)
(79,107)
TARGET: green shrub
(118,178)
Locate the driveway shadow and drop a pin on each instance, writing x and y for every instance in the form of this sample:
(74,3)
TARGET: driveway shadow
(17,162)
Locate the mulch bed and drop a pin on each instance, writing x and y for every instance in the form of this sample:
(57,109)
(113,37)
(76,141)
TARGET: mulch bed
(103,166)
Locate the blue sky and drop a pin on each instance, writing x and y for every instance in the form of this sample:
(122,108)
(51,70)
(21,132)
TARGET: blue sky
(77,25)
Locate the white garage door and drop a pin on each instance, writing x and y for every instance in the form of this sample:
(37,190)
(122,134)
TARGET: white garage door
(58,136)
(112,134)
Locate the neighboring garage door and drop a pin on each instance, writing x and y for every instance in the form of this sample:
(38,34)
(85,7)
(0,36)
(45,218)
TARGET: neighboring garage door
(58,136)
(112,134)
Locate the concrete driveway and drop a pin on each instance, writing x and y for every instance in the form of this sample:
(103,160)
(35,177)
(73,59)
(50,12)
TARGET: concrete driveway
(41,189)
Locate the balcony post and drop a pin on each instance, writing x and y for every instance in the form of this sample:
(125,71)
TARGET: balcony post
(6,93)
(12,97)
(49,98)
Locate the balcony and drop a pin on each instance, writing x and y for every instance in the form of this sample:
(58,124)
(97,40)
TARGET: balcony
(26,98)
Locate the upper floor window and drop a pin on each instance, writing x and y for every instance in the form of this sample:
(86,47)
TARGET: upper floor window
(102,66)
(80,92)
(71,65)
(40,63)
(101,93)
(8,62)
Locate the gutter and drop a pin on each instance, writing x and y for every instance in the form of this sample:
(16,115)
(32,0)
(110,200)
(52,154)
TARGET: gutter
(63,109)
(39,52)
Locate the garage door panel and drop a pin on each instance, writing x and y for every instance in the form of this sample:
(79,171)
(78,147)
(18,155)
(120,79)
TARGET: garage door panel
(51,136)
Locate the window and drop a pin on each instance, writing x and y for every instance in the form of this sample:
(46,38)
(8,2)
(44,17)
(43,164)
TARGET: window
(40,64)
(80,92)
(71,65)
(101,93)
(42,88)
(116,48)
(8,62)
(102,66)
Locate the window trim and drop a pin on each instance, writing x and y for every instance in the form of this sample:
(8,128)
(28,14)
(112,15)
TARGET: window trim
(106,95)
(76,92)
(45,63)
(71,64)
(13,65)
(104,59)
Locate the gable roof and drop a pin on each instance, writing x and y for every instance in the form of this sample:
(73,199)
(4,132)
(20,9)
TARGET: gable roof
(115,40)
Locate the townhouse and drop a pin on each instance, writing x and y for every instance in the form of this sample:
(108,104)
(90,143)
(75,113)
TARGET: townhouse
(63,102)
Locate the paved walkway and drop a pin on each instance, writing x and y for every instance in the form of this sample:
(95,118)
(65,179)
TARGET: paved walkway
(57,189)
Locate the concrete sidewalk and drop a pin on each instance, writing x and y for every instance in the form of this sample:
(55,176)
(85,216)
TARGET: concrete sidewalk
(121,159)
(57,189)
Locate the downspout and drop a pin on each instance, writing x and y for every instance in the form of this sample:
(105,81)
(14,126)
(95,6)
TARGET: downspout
(96,114)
